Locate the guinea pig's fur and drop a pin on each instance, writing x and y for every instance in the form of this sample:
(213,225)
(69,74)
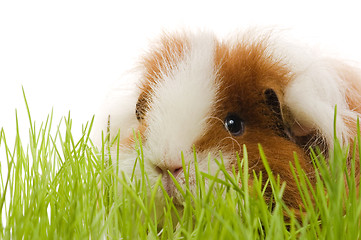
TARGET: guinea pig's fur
(189,86)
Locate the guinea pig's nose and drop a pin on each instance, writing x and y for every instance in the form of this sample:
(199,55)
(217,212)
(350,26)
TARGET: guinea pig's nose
(175,169)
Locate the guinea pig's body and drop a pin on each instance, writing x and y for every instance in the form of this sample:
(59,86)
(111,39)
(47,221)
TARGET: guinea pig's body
(194,90)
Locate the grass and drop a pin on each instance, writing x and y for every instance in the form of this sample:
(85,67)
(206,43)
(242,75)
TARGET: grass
(59,187)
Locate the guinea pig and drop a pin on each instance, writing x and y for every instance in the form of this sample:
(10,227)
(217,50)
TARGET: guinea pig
(194,91)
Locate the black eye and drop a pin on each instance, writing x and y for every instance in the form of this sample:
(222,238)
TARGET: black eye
(234,124)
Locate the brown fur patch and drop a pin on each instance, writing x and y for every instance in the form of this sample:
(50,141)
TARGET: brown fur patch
(245,72)
(161,59)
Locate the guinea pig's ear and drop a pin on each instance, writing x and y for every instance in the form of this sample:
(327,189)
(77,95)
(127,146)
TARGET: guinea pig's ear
(274,104)
(141,107)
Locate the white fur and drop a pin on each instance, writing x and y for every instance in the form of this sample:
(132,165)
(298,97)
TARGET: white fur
(315,91)
(119,107)
(184,96)
(182,100)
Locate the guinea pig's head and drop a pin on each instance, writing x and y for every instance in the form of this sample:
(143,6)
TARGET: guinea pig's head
(196,92)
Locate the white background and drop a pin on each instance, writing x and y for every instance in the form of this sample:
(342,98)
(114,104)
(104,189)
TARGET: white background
(66,53)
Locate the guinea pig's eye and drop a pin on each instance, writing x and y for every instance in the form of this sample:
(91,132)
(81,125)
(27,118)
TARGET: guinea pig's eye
(234,124)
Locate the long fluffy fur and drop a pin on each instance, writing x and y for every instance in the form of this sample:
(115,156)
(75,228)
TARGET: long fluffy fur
(188,82)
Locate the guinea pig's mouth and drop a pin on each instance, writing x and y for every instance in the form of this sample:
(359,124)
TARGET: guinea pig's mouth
(171,188)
